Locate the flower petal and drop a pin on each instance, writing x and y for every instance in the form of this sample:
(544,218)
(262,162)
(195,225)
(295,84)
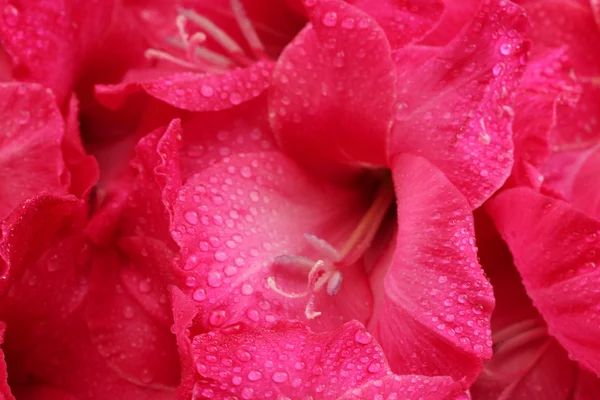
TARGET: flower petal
(409,387)
(457,14)
(527,363)
(231,221)
(194,91)
(67,360)
(546,86)
(4,388)
(453,106)
(570,24)
(44,250)
(126,319)
(322,105)
(291,360)
(32,130)
(432,300)
(404,21)
(49,40)
(586,196)
(543,231)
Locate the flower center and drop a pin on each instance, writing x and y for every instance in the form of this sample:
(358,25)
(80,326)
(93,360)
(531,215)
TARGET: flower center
(188,48)
(326,272)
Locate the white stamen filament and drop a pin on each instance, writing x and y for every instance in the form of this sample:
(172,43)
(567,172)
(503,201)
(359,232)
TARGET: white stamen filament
(323,247)
(247,29)
(299,262)
(153,54)
(212,30)
(289,295)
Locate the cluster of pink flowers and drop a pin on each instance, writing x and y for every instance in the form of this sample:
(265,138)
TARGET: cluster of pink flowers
(299,199)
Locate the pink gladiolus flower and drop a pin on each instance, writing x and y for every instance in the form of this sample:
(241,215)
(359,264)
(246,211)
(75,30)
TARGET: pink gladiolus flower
(291,199)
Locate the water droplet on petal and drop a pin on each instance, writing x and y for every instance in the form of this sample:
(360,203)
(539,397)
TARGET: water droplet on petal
(218,317)
(280,377)
(254,375)
(199,294)
(191,217)
(243,355)
(330,19)
(206,91)
(214,279)
(363,337)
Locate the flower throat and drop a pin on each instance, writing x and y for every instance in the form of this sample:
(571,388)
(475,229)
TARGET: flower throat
(326,272)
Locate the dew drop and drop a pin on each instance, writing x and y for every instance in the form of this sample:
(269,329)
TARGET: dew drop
(505,48)
(280,377)
(218,317)
(363,337)
(235,98)
(254,376)
(236,380)
(11,15)
(191,217)
(374,367)
(330,19)
(247,289)
(199,294)
(443,279)
(243,355)
(214,279)
(206,91)
(220,255)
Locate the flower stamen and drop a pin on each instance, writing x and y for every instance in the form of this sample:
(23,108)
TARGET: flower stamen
(199,57)
(325,272)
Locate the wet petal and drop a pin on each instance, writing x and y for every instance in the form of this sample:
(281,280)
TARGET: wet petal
(546,85)
(323,107)
(128,315)
(457,14)
(540,230)
(4,388)
(45,257)
(453,104)
(570,24)
(194,91)
(232,219)
(32,130)
(292,360)
(586,195)
(48,41)
(404,21)
(432,300)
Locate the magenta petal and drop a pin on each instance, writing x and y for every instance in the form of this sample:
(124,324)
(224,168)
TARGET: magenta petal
(31,134)
(407,387)
(404,21)
(195,91)
(291,360)
(5,393)
(333,90)
(45,254)
(546,85)
(432,300)
(49,40)
(586,195)
(454,105)
(457,14)
(123,308)
(541,231)
(232,219)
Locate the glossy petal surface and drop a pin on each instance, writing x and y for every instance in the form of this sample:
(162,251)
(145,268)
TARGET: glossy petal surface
(542,230)
(32,131)
(453,104)
(432,300)
(322,105)
(49,40)
(290,360)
